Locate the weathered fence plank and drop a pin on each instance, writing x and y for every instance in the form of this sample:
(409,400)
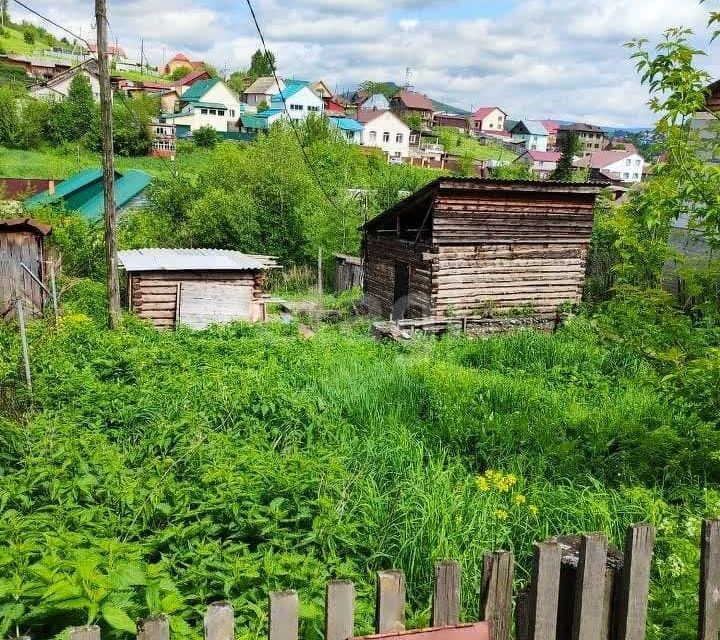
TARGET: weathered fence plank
(496,593)
(154,628)
(545,591)
(709,613)
(340,610)
(446,594)
(88,632)
(219,623)
(283,624)
(635,583)
(390,603)
(589,621)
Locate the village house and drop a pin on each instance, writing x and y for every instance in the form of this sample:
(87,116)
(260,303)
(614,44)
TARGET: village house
(179,61)
(206,103)
(406,103)
(617,166)
(464,246)
(115,52)
(195,287)
(350,129)
(164,139)
(83,192)
(384,130)
(488,119)
(198,74)
(552,128)
(532,134)
(300,100)
(321,89)
(590,137)
(22,253)
(334,105)
(262,91)
(541,163)
(35,66)
(375,101)
(58,87)
(461,123)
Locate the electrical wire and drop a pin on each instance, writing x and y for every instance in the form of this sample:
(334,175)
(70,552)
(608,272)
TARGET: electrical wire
(308,162)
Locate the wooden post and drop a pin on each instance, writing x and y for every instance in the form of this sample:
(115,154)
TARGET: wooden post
(283,623)
(709,616)
(588,620)
(545,591)
(23,340)
(155,628)
(496,593)
(89,632)
(635,582)
(390,602)
(111,257)
(446,594)
(340,610)
(53,290)
(219,622)
(319,274)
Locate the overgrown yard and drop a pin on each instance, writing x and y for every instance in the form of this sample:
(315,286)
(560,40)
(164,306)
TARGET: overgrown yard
(459,144)
(161,471)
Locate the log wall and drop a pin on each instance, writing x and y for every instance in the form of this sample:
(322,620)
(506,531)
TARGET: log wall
(500,251)
(210,296)
(381,255)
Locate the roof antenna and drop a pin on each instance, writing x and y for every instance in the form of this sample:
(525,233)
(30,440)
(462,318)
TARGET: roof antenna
(408,73)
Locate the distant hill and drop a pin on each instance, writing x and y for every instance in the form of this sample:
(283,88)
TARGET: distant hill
(610,130)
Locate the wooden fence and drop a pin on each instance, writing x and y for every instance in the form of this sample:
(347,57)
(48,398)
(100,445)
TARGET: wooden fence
(581,589)
(348,272)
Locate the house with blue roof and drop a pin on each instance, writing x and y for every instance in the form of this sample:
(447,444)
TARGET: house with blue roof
(350,129)
(532,133)
(83,192)
(206,103)
(300,100)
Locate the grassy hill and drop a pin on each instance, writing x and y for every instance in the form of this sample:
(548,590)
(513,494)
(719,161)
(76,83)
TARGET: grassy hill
(459,144)
(12,39)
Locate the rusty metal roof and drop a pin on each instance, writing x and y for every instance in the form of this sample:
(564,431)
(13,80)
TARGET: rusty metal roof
(193,260)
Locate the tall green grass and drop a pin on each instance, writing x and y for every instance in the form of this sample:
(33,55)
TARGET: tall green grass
(231,462)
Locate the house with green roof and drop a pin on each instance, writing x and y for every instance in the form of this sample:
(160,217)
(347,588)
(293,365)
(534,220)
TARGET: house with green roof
(532,133)
(207,103)
(295,101)
(83,192)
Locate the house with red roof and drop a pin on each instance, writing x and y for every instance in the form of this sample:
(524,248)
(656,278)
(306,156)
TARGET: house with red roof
(542,163)
(552,128)
(617,166)
(488,120)
(407,103)
(178,61)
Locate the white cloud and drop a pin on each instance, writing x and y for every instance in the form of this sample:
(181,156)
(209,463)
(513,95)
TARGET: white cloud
(558,58)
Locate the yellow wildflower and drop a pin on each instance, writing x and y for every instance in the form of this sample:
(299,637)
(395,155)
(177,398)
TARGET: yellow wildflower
(533,509)
(501,514)
(458,518)
(519,498)
(482,483)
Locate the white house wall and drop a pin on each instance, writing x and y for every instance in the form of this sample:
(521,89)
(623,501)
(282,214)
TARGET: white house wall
(303,103)
(628,169)
(393,126)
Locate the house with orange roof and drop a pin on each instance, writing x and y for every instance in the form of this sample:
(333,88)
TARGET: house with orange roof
(178,61)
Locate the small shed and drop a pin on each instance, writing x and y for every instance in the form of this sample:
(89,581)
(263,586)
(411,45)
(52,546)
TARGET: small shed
(348,272)
(196,287)
(468,246)
(22,264)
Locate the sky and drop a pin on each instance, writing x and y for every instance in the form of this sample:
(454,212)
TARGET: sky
(561,59)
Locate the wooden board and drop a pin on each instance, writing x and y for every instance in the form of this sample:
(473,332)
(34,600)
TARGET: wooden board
(203,304)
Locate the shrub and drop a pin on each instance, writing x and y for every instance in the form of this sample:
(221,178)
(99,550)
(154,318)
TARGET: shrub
(205,136)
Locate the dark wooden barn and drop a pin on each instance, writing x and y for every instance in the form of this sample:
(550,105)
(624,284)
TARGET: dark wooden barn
(22,264)
(466,246)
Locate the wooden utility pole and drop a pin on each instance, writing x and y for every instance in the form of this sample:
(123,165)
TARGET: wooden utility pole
(111,258)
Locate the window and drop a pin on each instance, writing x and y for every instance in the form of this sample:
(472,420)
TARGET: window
(628,162)
(232,113)
(203,111)
(310,108)
(490,125)
(636,176)
(399,138)
(413,139)
(626,176)
(386,136)
(221,112)
(212,112)
(296,107)
(350,135)
(637,163)
(597,146)
(373,137)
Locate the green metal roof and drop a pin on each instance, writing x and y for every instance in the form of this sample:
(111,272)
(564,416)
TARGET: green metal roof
(83,192)
(199,89)
(254,122)
(65,189)
(131,184)
(209,105)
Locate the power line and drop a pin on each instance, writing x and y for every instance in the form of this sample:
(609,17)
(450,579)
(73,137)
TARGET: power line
(285,107)
(52,22)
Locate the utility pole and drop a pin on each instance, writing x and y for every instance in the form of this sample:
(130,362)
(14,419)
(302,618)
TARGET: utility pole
(111,257)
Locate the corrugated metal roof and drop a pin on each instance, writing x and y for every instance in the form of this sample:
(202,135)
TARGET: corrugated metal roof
(199,89)
(193,260)
(533,127)
(132,183)
(65,188)
(346,124)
